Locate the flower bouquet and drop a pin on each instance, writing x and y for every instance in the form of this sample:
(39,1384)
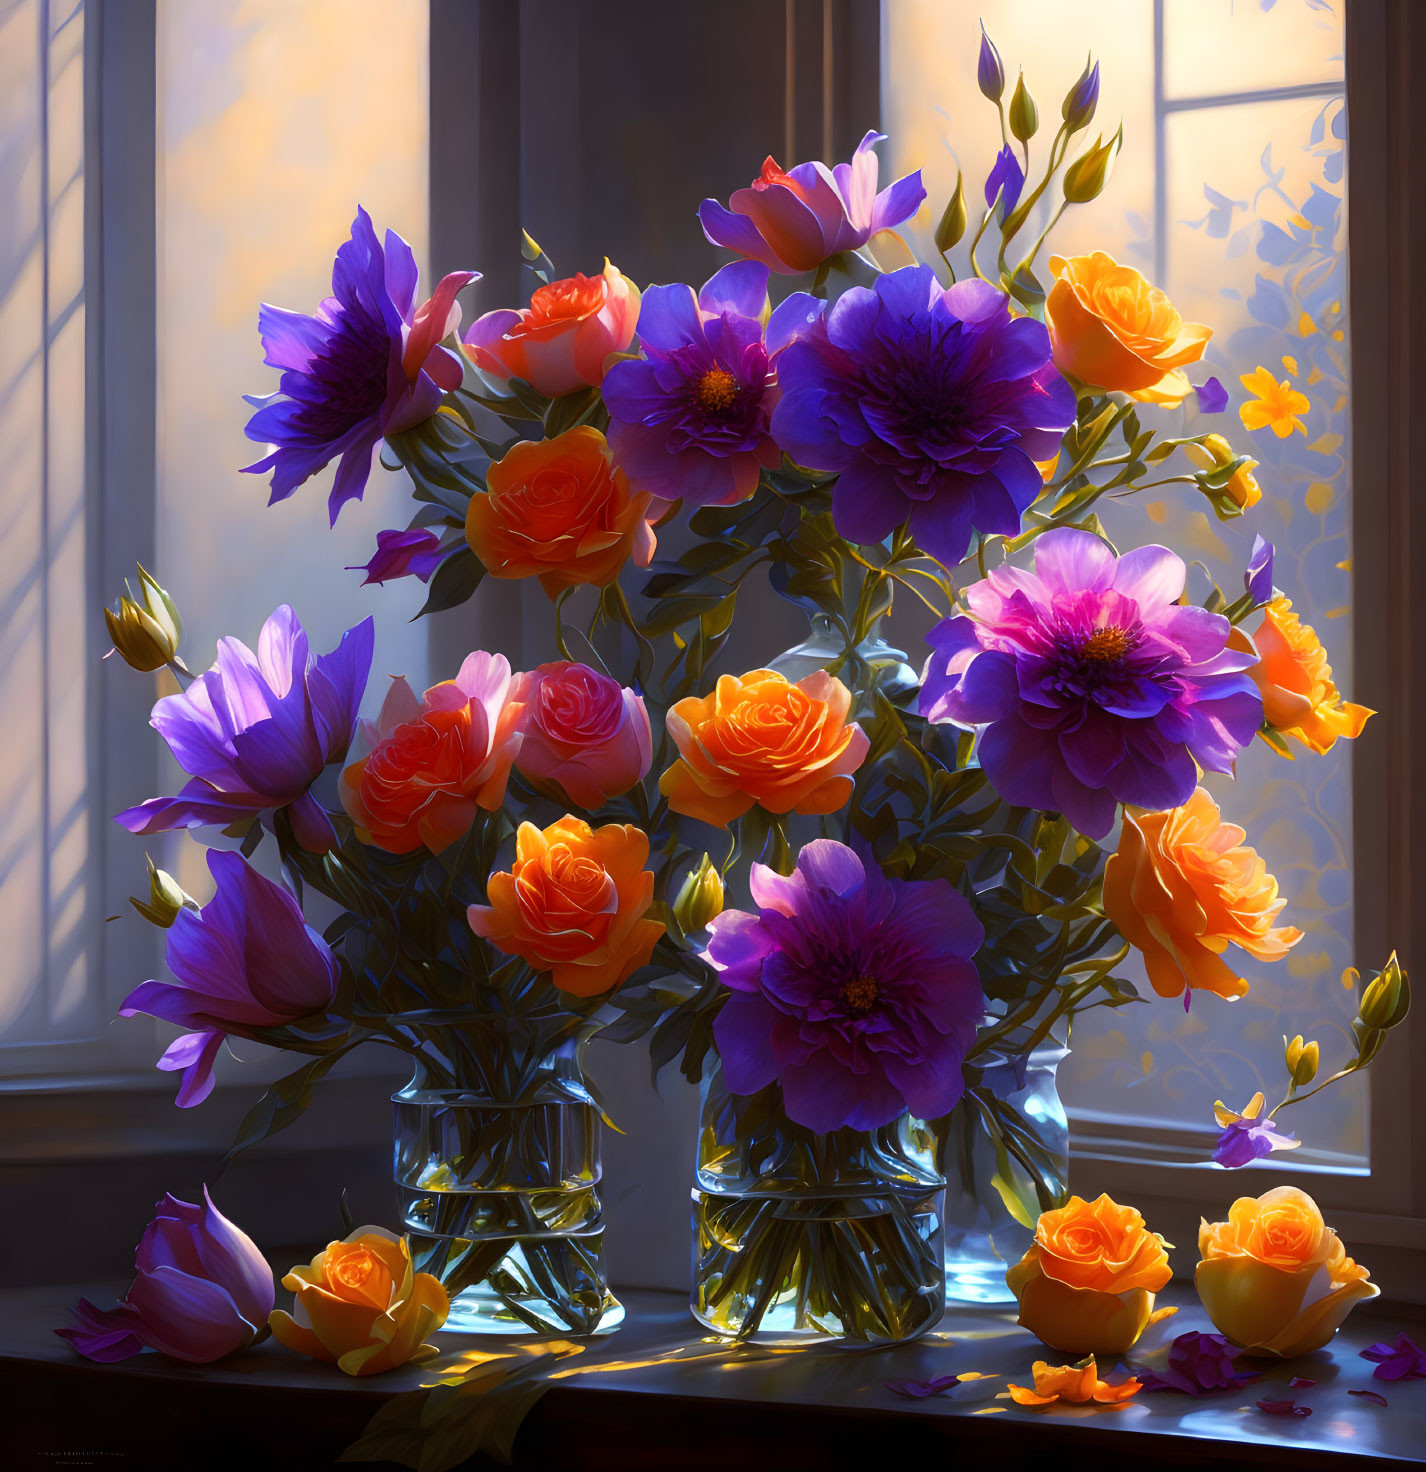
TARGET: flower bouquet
(927,878)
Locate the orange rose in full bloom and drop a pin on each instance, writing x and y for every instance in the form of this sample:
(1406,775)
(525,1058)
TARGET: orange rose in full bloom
(574,904)
(360,1307)
(559,510)
(432,763)
(1182,888)
(1112,330)
(1295,679)
(760,739)
(1274,1277)
(1087,1283)
(560,341)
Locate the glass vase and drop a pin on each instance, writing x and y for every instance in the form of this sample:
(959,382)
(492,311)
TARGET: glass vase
(872,666)
(497,1171)
(983,1238)
(800,1235)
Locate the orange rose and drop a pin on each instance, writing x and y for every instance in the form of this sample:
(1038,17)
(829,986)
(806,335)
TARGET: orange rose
(759,739)
(560,510)
(1075,1384)
(1182,888)
(1112,330)
(573,904)
(1295,679)
(1087,1283)
(360,1306)
(432,763)
(560,341)
(1274,1277)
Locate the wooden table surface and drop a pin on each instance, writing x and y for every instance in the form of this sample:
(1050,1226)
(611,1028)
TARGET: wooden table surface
(657,1394)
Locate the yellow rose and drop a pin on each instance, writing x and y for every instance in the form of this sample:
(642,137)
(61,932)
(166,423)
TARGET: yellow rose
(1274,1277)
(1087,1283)
(360,1306)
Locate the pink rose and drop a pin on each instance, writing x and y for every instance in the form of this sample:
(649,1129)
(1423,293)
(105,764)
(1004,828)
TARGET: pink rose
(583,731)
(560,341)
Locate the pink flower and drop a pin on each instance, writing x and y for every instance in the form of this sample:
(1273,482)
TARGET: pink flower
(202,1290)
(560,341)
(582,731)
(431,763)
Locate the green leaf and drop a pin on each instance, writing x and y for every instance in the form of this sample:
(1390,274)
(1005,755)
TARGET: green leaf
(455,580)
(283,1103)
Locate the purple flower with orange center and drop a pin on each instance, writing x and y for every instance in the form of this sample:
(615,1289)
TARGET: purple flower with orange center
(368,363)
(1092,684)
(855,991)
(690,417)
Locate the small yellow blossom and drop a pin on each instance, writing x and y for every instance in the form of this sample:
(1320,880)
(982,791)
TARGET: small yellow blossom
(1275,405)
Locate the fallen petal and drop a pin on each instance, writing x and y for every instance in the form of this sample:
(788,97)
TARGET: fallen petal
(1375,1397)
(1299,1382)
(1283,1408)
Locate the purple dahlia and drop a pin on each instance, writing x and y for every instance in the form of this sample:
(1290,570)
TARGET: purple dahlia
(1093,684)
(368,364)
(256,731)
(690,417)
(856,992)
(932,405)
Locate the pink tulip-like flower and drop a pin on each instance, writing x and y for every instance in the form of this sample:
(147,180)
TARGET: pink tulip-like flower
(559,343)
(202,1291)
(430,764)
(582,731)
(792,220)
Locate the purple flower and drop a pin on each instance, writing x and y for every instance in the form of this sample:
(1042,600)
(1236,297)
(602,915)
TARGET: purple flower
(1093,684)
(414,553)
(257,729)
(690,417)
(1399,1361)
(1006,179)
(933,405)
(368,364)
(1248,1136)
(1258,579)
(1079,105)
(792,221)
(1212,397)
(1198,1364)
(854,991)
(202,1290)
(247,961)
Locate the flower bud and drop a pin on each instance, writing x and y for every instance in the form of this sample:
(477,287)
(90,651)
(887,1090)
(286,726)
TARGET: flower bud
(989,73)
(1302,1059)
(1386,998)
(953,219)
(1229,480)
(146,637)
(1082,99)
(1024,116)
(1086,176)
(166,898)
(700,900)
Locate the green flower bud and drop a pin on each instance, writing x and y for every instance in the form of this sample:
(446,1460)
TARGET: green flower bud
(166,898)
(146,633)
(1024,116)
(1387,997)
(700,899)
(1302,1059)
(1082,99)
(1086,176)
(953,219)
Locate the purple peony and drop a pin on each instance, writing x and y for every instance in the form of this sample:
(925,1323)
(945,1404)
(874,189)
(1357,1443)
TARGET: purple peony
(201,1290)
(933,405)
(792,220)
(1198,1364)
(368,364)
(255,731)
(1093,684)
(690,417)
(248,960)
(854,991)
(415,553)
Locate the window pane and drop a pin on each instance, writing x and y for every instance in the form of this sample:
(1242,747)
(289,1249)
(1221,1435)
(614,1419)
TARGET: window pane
(276,121)
(1249,237)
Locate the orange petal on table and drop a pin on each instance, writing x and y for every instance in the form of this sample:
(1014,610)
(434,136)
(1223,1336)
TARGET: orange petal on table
(1022,1395)
(1160,1314)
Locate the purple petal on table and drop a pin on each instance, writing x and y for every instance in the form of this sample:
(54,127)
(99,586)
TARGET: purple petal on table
(1400,1361)
(1300,1382)
(1375,1396)
(920,1389)
(1283,1408)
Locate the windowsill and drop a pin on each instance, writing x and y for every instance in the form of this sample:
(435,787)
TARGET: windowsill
(657,1393)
